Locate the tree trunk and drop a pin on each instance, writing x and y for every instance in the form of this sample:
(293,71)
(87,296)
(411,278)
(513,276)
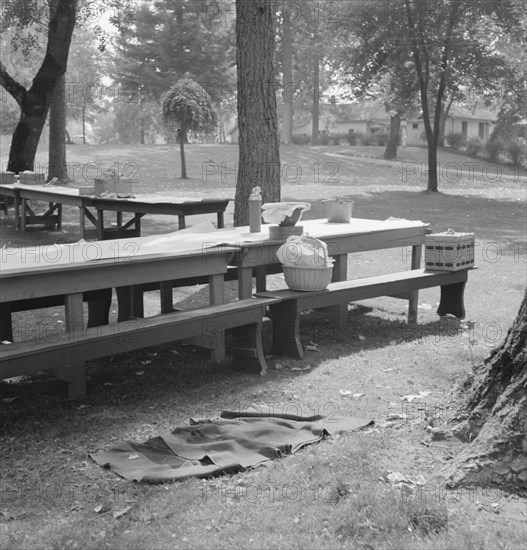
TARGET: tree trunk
(34,103)
(289,91)
(442,123)
(394,138)
(259,160)
(316,100)
(182,138)
(494,416)
(57,167)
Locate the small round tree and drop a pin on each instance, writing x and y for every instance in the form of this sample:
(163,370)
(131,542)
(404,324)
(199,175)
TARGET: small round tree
(187,106)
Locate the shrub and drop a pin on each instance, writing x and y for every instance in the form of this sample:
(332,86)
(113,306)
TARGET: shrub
(338,138)
(379,139)
(493,148)
(456,140)
(351,136)
(516,152)
(301,139)
(323,139)
(365,139)
(474,146)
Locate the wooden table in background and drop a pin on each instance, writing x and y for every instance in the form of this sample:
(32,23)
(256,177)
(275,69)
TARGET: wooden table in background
(94,208)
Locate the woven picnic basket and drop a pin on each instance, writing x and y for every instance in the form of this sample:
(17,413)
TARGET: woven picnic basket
(308,278)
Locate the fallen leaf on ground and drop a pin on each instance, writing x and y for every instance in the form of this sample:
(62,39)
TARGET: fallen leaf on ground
(9,399)
(307,367)
(119,513)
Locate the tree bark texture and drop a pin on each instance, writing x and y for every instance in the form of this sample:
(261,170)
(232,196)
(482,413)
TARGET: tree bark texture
(259,160)
(316,100)
(57,167)
(394,137)
(289,91)
(494,416)
(35,102)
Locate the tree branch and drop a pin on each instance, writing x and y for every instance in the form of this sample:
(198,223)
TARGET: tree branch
(16,89)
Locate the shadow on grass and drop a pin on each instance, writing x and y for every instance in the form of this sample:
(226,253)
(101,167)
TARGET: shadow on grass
(178,379)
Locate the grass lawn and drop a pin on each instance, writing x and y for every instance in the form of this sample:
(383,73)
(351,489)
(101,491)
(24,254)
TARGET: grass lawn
(331,495)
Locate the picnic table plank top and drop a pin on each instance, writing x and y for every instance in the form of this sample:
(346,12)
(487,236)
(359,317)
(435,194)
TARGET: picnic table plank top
(145,198)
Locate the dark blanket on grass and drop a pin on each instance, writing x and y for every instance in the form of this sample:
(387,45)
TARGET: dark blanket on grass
(237,440)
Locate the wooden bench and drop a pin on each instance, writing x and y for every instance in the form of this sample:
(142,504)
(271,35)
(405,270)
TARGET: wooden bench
(205,326)
(287,311)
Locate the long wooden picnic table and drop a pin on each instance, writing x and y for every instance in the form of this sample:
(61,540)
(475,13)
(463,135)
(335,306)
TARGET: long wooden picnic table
(74,270)
(256,252)
(196,255)
(93,209)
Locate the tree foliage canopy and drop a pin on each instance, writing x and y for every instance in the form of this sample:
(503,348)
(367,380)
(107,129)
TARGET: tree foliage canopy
(189,107)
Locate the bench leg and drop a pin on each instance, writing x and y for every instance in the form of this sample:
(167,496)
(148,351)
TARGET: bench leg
(6,324)
(286,330)
(99,310)
(247,351)
(452,300)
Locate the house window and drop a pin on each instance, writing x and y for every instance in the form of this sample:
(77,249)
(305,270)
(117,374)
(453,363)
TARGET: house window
(481,130)
(415,126)
(464,128)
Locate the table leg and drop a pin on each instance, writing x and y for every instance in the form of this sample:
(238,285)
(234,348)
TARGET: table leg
(100,225)
(17,210)
(82,221)
(216,297)
(245,282)
(181,222)
(340,273)
(23,215)
(130,302)
(137,219)
(221,221)
(413,302)
(59,217)
(261,278)
(74,374)
(119,218)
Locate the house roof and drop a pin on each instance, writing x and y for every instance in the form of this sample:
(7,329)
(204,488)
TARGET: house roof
(458,112)
(477,114)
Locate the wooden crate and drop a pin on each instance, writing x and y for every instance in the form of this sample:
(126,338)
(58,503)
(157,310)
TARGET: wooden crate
(449,251)
(7,178)
(32,178)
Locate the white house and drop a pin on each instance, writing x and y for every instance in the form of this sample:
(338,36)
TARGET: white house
(368,117)
(477,124)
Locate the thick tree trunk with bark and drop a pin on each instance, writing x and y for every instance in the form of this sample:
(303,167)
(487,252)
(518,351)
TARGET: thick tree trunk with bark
(494,416)
(288,94)
(259,161)
(57,167)
(34,103)
(394,137)
(316,100)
